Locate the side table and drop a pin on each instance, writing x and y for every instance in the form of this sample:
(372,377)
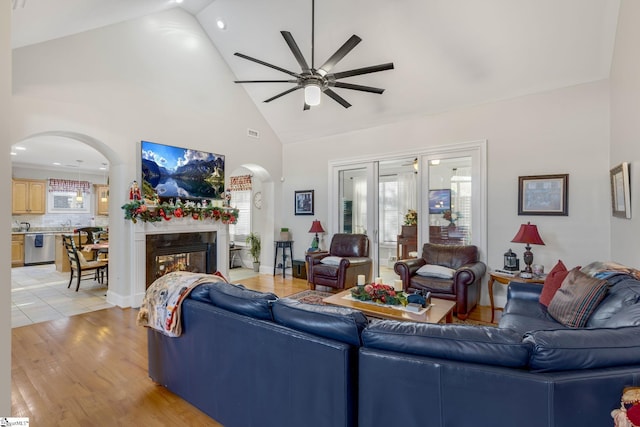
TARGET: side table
(283,245)
(504,279)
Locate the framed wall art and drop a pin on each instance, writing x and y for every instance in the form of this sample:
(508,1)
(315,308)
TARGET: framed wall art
(543,195)
(303,202)
(620,192)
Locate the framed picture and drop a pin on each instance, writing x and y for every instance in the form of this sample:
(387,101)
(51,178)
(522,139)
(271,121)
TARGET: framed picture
(439,201)
(620,193)
(303,202)
(543,195)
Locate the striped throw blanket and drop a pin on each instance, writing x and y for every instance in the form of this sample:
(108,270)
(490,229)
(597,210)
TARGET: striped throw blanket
(162,301)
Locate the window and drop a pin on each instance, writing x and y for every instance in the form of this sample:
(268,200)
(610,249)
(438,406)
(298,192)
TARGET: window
(242,201)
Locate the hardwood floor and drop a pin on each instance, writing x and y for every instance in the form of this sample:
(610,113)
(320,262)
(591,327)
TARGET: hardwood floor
(91,369)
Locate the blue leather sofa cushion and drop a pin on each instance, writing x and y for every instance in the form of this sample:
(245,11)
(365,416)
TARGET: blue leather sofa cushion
(574,349)
(201,293)
(338,323)
(240,300)
(619,308)
(476,344)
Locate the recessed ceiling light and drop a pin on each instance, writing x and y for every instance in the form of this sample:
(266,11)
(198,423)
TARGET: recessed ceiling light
(13,153)
(21,148)
(221,24)
(179,1)
(57,163)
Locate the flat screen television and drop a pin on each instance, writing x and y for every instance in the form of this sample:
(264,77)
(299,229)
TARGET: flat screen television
(439,201)
(169,173)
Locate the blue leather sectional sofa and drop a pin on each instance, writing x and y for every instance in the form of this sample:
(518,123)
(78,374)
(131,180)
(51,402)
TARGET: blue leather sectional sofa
(249,359)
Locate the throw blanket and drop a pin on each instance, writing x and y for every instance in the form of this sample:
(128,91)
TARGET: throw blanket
(162,302)
(603,270)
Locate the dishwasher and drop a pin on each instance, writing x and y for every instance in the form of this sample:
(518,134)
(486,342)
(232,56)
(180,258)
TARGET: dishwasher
(39,250)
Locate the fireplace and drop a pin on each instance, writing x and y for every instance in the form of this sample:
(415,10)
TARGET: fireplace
(194,252)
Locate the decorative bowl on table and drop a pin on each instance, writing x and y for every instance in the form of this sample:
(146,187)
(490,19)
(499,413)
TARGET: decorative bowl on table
(379,293)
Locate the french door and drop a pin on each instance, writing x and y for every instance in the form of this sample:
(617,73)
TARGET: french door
(444,186)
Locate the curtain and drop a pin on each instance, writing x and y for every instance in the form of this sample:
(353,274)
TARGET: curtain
(69,185)
(407,194)
(240,183)
(360,205)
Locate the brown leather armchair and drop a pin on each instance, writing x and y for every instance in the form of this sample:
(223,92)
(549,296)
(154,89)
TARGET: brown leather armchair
(349,257)
(463,288)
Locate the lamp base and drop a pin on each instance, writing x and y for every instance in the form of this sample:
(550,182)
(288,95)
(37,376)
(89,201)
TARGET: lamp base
(528,259)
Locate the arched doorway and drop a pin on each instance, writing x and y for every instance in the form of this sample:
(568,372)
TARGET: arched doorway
(253,189)
(82,158)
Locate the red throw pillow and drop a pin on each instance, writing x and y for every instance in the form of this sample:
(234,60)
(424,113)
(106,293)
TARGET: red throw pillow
(552,283)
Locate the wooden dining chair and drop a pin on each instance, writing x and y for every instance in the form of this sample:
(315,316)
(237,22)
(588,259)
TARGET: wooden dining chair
(90,233)
(80,267)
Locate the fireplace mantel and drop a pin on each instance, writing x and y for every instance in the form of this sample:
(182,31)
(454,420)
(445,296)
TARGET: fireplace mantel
(175,225)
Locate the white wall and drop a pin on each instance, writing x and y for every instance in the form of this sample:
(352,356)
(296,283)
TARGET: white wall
(155,78)
(625,129)
(5,211)
(563,131)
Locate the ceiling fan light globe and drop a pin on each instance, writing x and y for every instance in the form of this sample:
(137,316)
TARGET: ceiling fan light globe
(312,95)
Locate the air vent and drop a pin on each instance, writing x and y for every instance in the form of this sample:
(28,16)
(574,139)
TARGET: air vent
(252,133)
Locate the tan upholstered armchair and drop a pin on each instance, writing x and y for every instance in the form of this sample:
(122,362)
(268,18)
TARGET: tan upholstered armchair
(451,272)
(339,268)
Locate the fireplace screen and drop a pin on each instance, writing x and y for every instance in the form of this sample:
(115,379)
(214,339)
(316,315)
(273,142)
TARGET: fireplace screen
(193,252)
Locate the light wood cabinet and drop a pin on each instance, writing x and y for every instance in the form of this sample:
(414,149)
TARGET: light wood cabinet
(28,196)
(17,250)
(102,199)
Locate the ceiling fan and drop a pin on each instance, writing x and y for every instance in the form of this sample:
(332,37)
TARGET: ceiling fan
(316,81)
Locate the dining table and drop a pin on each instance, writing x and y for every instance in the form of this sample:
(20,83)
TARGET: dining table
(97,248)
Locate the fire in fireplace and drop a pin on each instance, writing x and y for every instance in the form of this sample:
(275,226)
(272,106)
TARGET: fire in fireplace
(194,252)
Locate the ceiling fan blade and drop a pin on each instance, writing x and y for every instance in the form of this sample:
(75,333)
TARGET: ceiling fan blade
(365,70)
(356,87)
(265,81)
(340,100)
(340,53)
(295,50)
(266,64)
(283,93)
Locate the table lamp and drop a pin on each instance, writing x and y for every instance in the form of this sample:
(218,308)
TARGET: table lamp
(528,234)
(316,227)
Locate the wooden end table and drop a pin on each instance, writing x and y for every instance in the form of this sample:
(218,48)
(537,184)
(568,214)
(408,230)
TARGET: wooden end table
(440,312)
(505,279)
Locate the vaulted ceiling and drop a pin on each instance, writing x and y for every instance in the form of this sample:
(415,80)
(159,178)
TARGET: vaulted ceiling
(448,54)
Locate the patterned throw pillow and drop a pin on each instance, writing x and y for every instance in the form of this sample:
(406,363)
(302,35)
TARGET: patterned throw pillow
(552,283)
(577,298)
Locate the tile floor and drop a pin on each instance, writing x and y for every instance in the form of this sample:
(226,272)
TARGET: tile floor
(39,293)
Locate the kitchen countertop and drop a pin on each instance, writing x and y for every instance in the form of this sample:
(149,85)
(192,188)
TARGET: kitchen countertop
(58,230)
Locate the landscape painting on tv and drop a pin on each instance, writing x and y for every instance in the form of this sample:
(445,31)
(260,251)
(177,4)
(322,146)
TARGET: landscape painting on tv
(180,173)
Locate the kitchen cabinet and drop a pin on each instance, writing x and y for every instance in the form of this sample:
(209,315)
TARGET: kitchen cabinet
(102,200)
(28,196)
(17,250)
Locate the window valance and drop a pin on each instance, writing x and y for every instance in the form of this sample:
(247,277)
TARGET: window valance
(69,185)
(240,183)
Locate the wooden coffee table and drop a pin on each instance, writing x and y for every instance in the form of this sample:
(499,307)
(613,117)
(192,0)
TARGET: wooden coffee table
(440,312)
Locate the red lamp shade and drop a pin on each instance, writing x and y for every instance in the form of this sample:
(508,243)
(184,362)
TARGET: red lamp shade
(316,227)
(528,234)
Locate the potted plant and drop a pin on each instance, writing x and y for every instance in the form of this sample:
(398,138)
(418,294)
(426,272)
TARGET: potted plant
(253,240)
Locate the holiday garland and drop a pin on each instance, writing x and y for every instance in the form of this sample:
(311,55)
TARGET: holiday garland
(137,210)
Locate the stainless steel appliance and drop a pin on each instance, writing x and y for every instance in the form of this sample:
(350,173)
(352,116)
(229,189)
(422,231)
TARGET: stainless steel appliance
(39,248)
